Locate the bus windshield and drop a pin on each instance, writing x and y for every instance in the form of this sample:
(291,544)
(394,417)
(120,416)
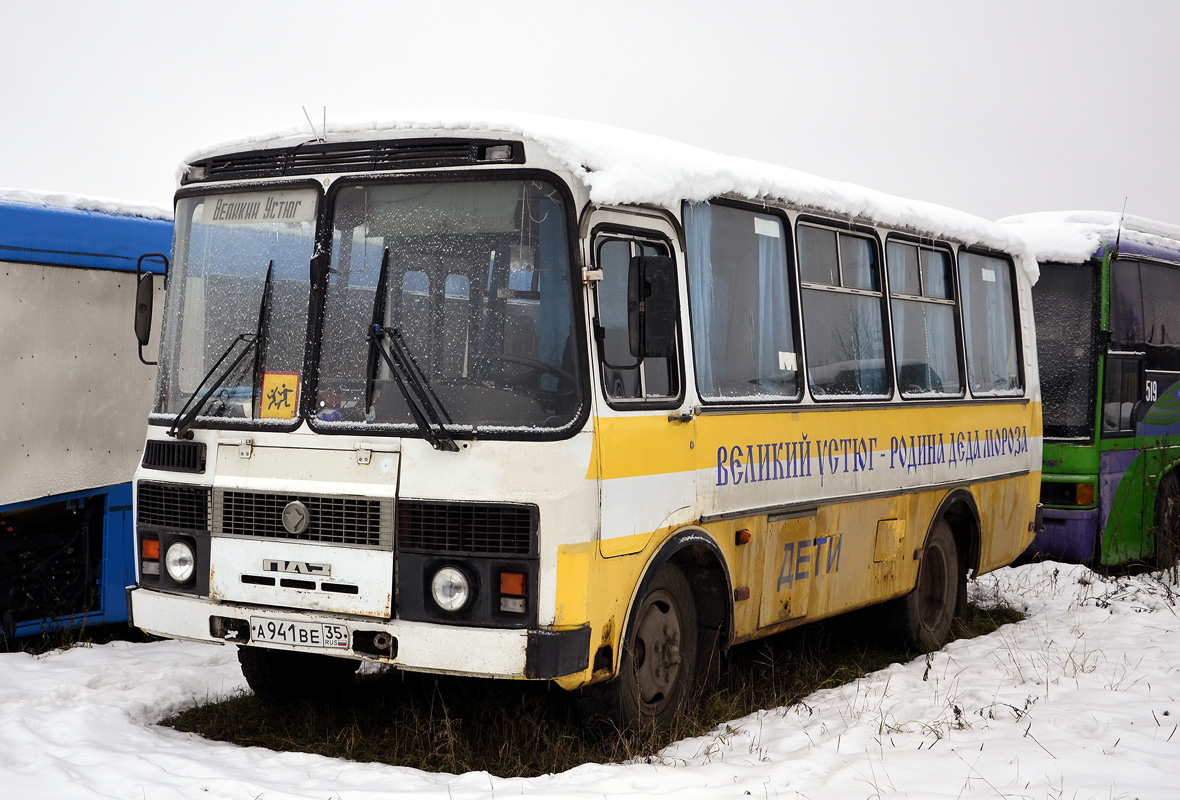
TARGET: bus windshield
(476,289)
(1066,308)
(235,323)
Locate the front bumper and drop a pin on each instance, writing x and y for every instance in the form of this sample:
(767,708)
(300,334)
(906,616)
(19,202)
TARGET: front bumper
(417,646)
(1068,534)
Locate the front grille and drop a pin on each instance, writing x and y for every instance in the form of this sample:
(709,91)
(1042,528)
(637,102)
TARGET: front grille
(357,521)
(173,505)
(174,456)
(391,154)
(484,528)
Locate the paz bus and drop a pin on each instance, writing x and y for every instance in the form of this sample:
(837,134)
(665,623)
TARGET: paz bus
(1110,372)
(74,397)
(527,398)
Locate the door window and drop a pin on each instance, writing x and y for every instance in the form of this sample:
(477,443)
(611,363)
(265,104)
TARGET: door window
(625,375)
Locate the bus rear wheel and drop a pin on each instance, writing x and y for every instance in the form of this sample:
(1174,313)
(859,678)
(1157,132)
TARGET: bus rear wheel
(925,616)
(657,667)
(283,676)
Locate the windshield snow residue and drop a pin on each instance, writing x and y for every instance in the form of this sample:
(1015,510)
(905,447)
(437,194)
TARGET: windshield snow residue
(477,288)
(225,245)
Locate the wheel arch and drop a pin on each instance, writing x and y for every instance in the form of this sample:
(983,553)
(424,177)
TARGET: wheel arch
(961,513)
(704,565)
(1169,470)
(1165,531)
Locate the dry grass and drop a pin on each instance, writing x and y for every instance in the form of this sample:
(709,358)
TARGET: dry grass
(63,639)
(522,728)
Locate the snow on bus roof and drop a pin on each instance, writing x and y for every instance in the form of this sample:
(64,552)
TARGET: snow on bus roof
(104,205)
(621,167)
(1073,237)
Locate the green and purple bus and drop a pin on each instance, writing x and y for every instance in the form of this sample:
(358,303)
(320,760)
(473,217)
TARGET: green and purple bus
(1107,309)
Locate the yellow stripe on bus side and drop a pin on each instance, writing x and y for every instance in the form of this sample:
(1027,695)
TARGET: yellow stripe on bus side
(633,446)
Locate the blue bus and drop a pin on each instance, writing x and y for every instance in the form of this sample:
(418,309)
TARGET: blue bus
(76,388)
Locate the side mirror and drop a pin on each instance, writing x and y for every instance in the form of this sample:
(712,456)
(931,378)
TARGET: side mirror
(653,306)
(145,293)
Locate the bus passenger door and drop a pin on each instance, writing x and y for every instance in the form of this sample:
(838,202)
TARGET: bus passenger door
(1125,473)
(643,437)
(791,559)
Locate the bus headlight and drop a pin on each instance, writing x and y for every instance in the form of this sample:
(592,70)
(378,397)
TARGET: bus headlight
(450,589)
(180,561)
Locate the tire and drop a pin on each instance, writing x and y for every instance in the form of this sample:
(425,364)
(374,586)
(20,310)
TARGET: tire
(925,616)
(1167,522)
(283,676)
(658,664)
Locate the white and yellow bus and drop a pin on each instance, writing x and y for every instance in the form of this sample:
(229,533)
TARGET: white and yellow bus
(526,398)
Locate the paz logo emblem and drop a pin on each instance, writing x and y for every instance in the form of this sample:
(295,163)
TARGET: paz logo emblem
(295,517)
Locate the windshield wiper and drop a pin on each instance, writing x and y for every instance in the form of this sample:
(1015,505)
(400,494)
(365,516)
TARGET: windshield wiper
(253,342)
(260,335)
(189,413)
(427,410)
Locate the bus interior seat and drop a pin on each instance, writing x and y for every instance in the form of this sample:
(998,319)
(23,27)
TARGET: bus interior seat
(1116,416)
(520,336)
(918,378)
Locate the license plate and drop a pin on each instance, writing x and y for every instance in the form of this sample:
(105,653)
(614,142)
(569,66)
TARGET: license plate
(303,634)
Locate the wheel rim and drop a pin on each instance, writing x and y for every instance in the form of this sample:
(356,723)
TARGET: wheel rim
(933,588)
(657,652)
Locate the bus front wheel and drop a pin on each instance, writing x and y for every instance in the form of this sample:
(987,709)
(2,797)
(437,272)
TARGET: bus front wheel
(1167,522)
(657,667)
(926,614)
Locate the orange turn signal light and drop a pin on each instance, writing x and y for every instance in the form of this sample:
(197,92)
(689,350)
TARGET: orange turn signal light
(150,549)
(1085,494)
(512,583)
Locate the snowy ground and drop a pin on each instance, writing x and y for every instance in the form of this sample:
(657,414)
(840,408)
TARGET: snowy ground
(1081,700)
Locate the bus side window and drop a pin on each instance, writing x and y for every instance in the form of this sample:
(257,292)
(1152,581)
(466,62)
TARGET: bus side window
(843,321)
(1120,393)
(742,304)
(415,314)
(1161,298)
(925,333)
(456,324)
(625,376)
(989,321)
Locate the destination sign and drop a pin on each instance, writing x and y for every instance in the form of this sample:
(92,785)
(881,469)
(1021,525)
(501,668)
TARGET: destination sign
(259,207)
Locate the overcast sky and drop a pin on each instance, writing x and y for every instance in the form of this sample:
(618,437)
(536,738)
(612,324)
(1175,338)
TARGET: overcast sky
(992,107)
